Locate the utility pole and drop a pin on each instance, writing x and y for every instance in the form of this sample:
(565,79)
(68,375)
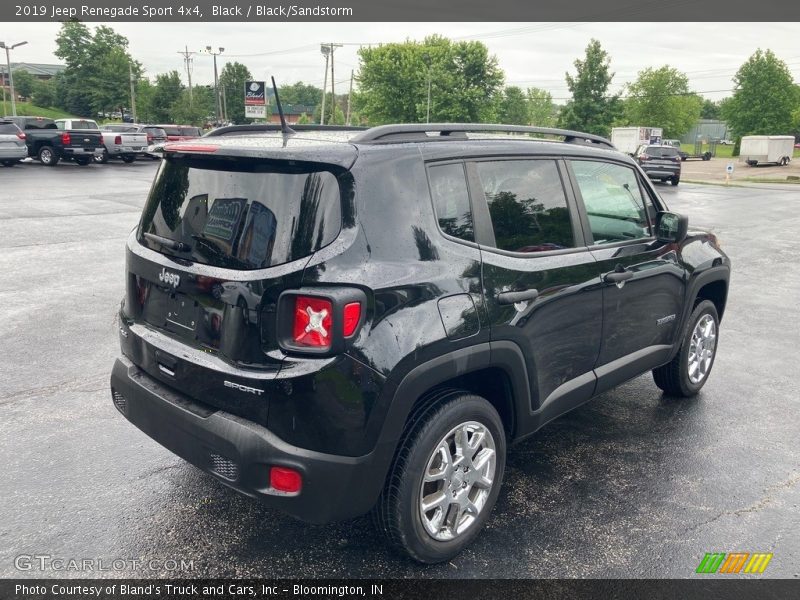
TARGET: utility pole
(10,74)
(349,98)
(333,92)
(188,60)
(217,106)
(133,93)
(224,104)
(326,50)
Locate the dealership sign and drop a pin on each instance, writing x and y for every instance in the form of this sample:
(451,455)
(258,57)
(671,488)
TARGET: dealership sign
(255,100)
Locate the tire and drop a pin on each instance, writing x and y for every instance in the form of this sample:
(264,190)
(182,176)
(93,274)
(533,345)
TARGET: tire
(101,159)
(9,163)
(675,180)
(83,160)
(675,378)
(398,513)
(127,158)
(47,156)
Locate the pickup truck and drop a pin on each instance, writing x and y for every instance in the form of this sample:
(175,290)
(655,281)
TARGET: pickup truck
(119,140)
(49,144)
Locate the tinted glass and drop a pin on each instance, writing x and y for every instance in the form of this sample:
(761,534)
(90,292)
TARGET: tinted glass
(527,205)
(155,131)
(83,125)
(259,215)
(191,131)
(613,201)
(662,151)
(172,130)
(120,128)
(8,128)
(451,200)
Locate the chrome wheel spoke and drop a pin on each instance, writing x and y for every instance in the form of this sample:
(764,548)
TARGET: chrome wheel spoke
(435,500)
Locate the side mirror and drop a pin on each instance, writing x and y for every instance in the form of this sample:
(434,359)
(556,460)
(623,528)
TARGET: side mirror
(671,227)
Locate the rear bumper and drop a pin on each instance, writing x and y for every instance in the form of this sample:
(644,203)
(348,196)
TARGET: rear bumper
(14,153)
(661,172)
(240,453)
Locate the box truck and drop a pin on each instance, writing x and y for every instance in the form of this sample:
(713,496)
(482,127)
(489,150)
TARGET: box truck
(628,139)
(762,149)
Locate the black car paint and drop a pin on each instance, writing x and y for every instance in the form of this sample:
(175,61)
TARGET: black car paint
(349,411)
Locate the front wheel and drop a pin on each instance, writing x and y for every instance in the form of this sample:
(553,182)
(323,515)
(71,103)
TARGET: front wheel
(445,478)
(675,180)
(128,158)
(685,374)
(9,163)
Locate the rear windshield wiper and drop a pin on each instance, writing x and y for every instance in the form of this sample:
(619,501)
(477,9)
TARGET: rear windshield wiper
(167,242)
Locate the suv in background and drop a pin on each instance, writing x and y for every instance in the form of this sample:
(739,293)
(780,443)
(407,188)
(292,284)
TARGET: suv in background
(337,321)
(677,145)
(180,133)
(660,162)
(12,143)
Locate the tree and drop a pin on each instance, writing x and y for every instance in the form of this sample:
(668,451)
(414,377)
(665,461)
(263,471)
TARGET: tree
(764,97)
(465,82)
(338,115)
(44,93)
(97,69)
(590,109)
(514,106)
(166,92)
(24,83)
(541,110)
(710,110)
(661,98)
(231,82)
(300,93)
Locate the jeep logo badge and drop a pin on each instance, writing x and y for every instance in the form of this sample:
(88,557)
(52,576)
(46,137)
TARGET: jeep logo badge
(172,279)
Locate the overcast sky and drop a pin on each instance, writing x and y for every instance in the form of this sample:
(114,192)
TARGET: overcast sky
(532,54)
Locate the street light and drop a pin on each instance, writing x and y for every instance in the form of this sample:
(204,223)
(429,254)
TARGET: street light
(216,79)
(10,75)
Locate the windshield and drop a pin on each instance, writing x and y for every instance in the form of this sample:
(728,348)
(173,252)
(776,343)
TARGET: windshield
(243,215)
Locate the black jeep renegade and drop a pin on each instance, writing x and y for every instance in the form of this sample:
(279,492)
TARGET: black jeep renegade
(335,321)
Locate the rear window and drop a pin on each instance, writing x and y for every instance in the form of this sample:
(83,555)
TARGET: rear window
(6,128)
(155,131)
(191,131)
(243,215)
(40,124)
(662,151)
(172,130)
(82,125)
(120,128)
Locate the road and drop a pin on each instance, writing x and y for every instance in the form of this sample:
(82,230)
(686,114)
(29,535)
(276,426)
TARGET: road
(630,485)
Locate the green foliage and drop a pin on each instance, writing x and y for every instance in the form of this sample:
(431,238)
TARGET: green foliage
(710,110)
(765,96)
(24,83)
(338,116)
(393,81)
(186,112)
(231,82)
(542,111)
(97,70)
(661,98)
(300,93)
(27,108)
(590,109)
(44,92)
(304,119)
(166,92)
(514,106)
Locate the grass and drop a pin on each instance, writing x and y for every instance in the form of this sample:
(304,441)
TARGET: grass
(723,151)
(31,110)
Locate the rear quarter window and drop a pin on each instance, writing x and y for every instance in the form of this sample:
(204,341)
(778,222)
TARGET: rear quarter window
(8,128)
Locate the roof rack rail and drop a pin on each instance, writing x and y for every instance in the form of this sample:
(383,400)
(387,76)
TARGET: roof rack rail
(271,127)
(386,134)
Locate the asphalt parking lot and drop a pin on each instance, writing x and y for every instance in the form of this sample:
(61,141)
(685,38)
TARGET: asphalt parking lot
(632,484)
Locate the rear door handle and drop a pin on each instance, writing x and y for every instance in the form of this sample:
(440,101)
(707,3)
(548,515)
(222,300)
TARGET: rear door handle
(514,297)
(618,276)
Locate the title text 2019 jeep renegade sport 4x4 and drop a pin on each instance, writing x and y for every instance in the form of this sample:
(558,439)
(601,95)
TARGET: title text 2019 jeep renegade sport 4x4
(338,321)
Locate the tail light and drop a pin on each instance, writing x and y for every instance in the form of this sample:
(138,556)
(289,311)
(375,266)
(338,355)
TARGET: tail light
(319,320)
(644,157)
(66,140)
(21,135)
(149,139)
(118,140)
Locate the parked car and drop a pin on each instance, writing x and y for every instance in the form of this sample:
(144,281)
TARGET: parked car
(335,322)
(156,138)
(660,162)
(121,141)
(677,145)
(12,143)
(726,142)
(49,144)
(179,133)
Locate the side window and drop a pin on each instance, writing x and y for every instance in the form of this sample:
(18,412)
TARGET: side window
(451,200)
(527,205)
(613,201)
(60,124)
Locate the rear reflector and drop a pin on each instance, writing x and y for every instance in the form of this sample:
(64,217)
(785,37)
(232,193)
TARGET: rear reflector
(313,322)
(283,479)
(352,315)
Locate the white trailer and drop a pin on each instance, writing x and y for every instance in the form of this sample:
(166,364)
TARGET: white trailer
(761,149)
(628,139)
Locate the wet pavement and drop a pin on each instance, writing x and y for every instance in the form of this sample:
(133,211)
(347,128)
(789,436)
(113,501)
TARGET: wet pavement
(632,484)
